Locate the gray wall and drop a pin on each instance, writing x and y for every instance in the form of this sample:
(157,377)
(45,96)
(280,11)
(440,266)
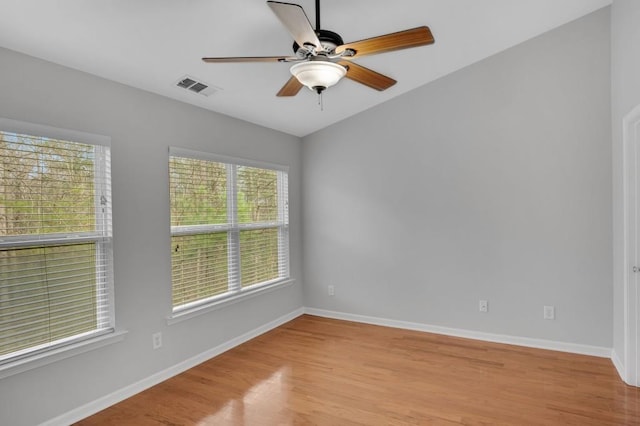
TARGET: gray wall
(625,88)
(491,183)
(142,126)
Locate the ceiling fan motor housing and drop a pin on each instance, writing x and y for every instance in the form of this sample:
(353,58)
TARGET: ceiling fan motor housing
(329,40)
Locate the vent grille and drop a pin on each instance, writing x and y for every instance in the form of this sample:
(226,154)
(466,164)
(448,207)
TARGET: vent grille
(198,87)
(186,83)
(195,85)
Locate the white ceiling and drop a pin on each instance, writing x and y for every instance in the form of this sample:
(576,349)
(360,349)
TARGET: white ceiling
(150,44)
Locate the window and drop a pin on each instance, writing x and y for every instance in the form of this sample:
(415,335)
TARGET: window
(229,227)
(55,239)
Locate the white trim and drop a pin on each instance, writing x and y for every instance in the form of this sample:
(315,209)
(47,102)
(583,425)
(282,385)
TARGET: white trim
(181,230)
(218,303)
(45,240)
(631,170)
(199,155)
(598,351)
(57,354)
(617,363)
(40,130)
(106,401)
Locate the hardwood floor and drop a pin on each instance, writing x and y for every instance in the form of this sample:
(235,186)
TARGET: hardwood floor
(317,371)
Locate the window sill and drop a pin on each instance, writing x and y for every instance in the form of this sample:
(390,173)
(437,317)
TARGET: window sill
(54,355)
(224,302)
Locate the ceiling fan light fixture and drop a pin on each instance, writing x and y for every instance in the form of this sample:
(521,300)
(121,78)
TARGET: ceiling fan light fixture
(318,75)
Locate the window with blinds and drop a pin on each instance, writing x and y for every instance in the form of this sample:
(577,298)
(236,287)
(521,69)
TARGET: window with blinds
(229,227)
(55,240)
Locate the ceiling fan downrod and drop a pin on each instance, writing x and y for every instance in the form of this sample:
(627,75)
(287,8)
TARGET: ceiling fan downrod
(318,17)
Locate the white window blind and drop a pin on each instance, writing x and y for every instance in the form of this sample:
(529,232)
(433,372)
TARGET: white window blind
(229,227)
(55,242)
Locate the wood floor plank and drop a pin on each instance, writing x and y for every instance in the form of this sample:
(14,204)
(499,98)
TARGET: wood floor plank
(318,371)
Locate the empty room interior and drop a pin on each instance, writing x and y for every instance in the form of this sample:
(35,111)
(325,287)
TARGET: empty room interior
(424,212)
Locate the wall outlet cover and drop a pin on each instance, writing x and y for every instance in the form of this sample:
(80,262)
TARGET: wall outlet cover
(549,312)
(157,340)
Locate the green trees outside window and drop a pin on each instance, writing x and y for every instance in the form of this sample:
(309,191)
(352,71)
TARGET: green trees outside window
(229,226)
(54,242)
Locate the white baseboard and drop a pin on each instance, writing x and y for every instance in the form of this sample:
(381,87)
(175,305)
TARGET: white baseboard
(617,362)
(598,351)
(128,391)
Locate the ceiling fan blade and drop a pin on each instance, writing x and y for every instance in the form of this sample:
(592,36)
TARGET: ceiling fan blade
(387,43)
(368,77)
(296,22)
(291,87)
(252,59)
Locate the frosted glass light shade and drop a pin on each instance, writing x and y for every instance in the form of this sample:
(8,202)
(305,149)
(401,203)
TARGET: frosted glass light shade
(318,75)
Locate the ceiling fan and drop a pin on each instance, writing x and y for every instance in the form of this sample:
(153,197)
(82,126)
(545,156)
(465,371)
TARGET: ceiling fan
(322,58)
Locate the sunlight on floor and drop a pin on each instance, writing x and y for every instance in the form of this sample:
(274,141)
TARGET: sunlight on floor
(267,399)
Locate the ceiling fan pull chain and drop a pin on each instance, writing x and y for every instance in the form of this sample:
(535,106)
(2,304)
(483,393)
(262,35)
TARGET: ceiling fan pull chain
(320,103)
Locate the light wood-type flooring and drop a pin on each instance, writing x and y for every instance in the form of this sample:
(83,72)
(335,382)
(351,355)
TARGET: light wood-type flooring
(318,371)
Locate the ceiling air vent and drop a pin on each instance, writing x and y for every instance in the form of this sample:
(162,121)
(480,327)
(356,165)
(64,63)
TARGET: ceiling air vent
(193,85)
(198,87)
(186,83)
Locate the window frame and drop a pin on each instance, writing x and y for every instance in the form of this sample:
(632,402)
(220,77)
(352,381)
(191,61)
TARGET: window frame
(104,333)
(232,228)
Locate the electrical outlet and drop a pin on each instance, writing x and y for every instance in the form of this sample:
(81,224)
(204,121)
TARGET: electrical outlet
(484,306)
(331,290)
(157,340)
(549,312)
